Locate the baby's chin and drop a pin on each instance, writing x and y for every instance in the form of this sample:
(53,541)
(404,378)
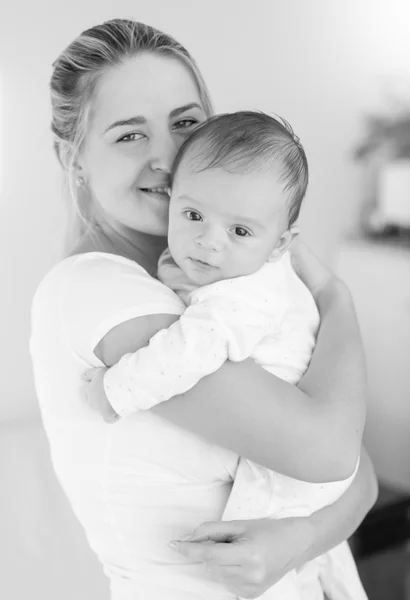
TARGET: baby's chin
(201,277)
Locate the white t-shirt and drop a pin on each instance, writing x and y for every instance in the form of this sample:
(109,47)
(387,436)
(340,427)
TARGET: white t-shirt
(271,316)
(142,482)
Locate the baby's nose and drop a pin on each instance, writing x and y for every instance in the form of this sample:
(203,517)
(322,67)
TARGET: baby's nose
(210,240)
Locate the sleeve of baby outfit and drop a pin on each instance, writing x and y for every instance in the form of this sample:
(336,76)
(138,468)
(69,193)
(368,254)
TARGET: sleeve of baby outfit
(103,290)
(216,326)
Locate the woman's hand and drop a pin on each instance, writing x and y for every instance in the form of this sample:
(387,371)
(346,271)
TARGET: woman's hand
(315,275)
(248,557)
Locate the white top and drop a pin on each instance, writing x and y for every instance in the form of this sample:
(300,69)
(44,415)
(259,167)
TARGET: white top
(137,484)
(269,315)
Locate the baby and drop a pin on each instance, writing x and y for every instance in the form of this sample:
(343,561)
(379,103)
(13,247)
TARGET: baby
(237,187)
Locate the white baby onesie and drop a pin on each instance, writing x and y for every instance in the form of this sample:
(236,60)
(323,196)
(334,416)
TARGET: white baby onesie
(270,316)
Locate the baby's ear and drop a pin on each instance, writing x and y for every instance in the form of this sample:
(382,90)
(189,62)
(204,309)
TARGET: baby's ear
(283,244)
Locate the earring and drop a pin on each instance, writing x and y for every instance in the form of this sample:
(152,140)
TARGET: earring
(79,181)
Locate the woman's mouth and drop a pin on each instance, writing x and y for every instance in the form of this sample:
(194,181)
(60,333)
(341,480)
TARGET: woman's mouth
(157,190)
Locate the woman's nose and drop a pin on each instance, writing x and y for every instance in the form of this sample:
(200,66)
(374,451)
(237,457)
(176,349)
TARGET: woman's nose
(163,152)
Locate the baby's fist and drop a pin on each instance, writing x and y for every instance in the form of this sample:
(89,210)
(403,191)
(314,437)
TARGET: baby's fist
(94,394)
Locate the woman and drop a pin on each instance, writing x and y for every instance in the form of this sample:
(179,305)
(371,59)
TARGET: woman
(124,96)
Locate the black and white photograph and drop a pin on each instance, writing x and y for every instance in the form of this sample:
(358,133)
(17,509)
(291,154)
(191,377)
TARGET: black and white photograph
(205,266)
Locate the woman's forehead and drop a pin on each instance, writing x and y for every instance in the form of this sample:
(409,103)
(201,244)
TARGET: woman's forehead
(147,85)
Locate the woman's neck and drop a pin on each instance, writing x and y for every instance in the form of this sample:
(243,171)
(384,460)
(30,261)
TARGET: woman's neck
(143,248)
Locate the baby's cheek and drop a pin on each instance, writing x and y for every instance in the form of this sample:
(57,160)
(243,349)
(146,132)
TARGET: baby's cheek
(248,261)
(175,243)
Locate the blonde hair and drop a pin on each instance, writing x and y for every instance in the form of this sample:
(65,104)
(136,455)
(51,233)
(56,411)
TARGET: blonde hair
(75,75)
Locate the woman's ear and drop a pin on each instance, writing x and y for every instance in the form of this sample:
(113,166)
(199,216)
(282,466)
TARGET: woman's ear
(284,242)
(64,151)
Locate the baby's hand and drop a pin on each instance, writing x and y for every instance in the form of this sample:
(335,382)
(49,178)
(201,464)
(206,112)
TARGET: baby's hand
(94,394)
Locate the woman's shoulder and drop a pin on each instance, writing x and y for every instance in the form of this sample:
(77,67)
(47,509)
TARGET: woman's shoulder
(78,265)
(88,269)
(100,277)
(86,295)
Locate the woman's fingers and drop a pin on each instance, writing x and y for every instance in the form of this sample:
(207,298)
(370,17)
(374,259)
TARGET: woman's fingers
(237,565)
(314,274)
(216,531)
(256,556)
(210,553)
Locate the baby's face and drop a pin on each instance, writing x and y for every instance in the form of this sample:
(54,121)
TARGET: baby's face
(224,225)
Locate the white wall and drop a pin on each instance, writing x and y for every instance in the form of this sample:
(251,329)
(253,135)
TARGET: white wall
(318,63)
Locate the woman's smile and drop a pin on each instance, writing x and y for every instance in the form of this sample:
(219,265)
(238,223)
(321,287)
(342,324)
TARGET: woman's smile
(160,193)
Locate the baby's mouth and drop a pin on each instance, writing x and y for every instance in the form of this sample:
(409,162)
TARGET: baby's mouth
(203,263)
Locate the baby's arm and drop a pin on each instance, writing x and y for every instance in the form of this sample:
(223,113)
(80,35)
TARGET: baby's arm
(176,358)
(312,431)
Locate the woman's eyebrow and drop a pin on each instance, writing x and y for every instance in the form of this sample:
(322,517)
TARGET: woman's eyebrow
(126,122)
(182,109)
(142,120)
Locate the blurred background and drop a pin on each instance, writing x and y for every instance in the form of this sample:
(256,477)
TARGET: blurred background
(339,72)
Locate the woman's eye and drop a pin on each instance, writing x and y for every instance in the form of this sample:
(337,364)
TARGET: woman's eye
(185,123)
(131,137)
(241,231)
(193,215)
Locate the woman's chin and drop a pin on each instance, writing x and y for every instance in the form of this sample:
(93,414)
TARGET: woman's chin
(154,224)
(157,230)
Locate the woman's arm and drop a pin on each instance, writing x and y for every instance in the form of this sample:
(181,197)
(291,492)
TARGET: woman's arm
(337,522)
(266,549)
(311,432)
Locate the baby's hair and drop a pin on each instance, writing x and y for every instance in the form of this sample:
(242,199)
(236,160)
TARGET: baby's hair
(246,142)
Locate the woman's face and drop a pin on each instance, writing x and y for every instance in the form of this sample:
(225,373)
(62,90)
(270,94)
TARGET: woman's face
(141,113)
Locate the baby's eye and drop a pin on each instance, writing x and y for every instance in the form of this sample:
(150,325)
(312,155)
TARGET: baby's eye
(131,137)
(241,231)
(193,215)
